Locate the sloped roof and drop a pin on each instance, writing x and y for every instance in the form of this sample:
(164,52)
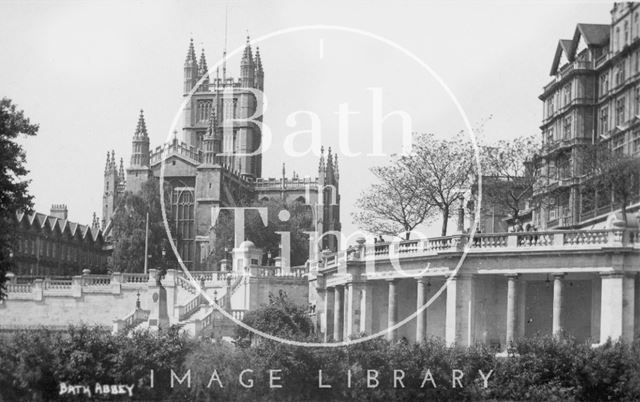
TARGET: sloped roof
(564,46)
(47,222)
(593,34)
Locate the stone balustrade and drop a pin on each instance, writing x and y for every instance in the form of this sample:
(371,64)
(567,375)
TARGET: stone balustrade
(507,286)
(491,242)
(278,272)
(191,307)
(132,320)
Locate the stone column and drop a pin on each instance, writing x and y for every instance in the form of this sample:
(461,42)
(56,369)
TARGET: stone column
(321,300)
(596,288)
(393,308)
(557,304)
(327,319)
(172,293)
(636,306)
(512,288)
(617,307)
(628,308)
(421,327)
(366,308)
(460,311)
(338,313)
(347,307)
(522,308)
(353,308)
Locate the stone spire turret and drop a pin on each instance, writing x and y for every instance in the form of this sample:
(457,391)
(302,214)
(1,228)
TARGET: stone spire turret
(111,190)
(247,66)
(321,165)
(259,73)
(121,170)
(203,71)
(190,69)
(336,171)
(95,222)
(141,128)
(329,160)
(139,169)
(140,144)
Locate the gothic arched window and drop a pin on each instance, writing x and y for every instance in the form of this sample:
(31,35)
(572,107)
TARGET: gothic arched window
(183,214)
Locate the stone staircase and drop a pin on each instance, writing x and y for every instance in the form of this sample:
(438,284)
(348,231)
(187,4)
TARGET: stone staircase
(191,311)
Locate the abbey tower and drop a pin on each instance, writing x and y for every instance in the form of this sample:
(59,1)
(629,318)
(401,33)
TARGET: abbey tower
(216,160)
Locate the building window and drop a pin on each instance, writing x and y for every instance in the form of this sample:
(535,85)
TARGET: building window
(566,127)
(550,107)
(551,170)
(620,74)
(617,145)
(626,32)
(616,42)
(567,94)
(183,213)
(604,119)
(604,84)
(635,141)
(620,111)
(550,135)
(203,110)
(637,101)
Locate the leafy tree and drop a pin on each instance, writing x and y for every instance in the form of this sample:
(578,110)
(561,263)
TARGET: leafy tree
(392,206)
(279,317)
(509,174)
(440,170)
(265,237)
(14,194)
(129,228)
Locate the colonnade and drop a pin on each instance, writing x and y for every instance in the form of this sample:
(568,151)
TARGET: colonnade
(347,308)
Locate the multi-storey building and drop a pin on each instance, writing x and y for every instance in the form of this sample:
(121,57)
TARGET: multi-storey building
(52,245)
(593,98)
(216,160)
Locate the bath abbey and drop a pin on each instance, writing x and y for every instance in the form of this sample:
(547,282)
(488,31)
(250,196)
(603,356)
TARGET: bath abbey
(216,160)
(577,273)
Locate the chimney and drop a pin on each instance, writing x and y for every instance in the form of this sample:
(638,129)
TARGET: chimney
(59,211)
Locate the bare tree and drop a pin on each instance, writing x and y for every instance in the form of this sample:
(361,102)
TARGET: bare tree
(393,205)
(616,171)
(440,171)
(509,174)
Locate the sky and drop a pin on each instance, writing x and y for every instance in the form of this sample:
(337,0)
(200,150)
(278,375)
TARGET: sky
(83,70)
